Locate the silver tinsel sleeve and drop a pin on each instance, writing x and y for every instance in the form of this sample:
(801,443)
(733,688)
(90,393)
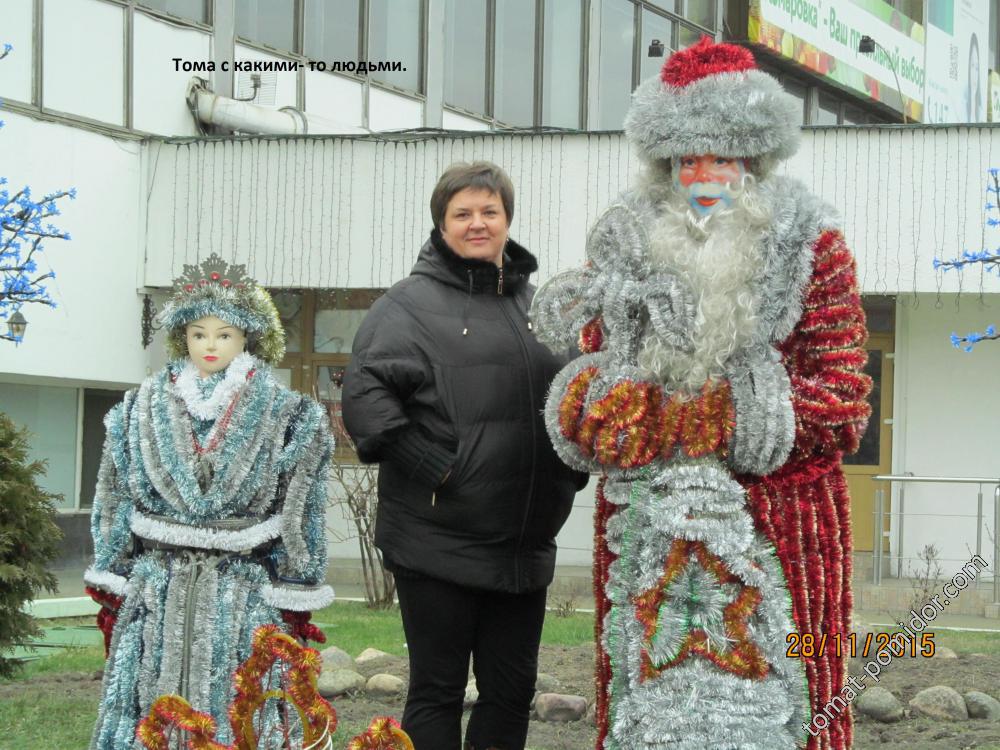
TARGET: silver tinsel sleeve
(765,421)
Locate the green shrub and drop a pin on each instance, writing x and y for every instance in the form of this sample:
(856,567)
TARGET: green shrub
(29,540)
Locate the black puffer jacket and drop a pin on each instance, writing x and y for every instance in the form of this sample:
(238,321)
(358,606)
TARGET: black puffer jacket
(446,376)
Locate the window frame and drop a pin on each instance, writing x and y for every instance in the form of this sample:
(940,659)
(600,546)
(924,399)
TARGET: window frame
(364,46)
(364,24)
(165,15)
(303,364)
(679,21)
(271,49)
(489,117)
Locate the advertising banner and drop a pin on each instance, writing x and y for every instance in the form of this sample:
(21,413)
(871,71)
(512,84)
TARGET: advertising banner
(957,61)
(823,36)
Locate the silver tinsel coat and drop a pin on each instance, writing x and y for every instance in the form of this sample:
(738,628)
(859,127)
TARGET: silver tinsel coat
(693,705)
(204,549)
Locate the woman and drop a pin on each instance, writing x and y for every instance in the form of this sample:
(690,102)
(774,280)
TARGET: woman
(208,519)
(445,390)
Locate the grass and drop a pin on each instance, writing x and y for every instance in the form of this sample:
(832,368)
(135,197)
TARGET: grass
(60,661)
(965,642)
(353,627)
(65,721)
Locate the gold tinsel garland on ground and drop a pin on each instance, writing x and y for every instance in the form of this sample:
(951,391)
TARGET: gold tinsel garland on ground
(317,716)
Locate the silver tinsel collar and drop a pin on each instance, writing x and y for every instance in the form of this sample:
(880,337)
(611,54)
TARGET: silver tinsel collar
(211,406)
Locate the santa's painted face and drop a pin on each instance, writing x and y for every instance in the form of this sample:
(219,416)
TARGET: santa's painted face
(709,182)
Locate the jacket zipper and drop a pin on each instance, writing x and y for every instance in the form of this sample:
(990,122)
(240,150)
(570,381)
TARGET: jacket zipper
(534,440)
(500,282)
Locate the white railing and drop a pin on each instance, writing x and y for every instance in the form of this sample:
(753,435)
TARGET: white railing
(900,514)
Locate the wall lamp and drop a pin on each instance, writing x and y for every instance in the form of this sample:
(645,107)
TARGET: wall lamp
(867,46)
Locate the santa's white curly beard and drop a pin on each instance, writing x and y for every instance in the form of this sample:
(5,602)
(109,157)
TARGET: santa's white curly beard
(716,257)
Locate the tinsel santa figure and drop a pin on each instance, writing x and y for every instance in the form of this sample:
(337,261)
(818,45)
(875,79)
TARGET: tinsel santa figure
(721,382)
(209,513)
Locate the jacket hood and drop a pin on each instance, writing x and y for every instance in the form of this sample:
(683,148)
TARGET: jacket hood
(440,262)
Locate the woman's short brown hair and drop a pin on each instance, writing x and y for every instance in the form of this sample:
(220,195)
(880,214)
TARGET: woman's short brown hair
(479,175)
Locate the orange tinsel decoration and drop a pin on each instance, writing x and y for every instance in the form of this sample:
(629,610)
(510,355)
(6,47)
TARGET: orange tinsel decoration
(634,422)
(299,690)
(318,718)
(383,733)
(742,657)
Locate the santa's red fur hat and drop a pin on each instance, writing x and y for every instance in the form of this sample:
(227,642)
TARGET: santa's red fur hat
(711,99)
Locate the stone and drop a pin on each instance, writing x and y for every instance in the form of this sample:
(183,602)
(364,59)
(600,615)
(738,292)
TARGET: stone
(558,707)
(546,683)
(336,658)
(336,682)
(385,685)
(982,706)
(471,694)
(372,657)
(943,652)
(879,704)
(940,702)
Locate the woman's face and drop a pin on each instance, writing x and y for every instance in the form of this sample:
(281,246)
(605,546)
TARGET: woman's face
(475,225)
(213,343)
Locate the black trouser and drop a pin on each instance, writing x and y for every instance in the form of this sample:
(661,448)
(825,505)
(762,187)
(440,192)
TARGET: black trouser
(444,625)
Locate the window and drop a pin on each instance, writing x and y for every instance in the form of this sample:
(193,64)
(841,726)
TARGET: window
(320,326)
(702,12)
(514,81)
(50,414)
(465,51)
(191,9)
(828,112)
(514,62)
(269,21)
(96,403)
(562,52)
(798,90)
(853,116)
(654,26)
(688,36)
(332,30)
(614,85)
(394,35)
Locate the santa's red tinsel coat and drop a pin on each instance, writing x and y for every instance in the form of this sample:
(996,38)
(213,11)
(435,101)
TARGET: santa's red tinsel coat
(803,508)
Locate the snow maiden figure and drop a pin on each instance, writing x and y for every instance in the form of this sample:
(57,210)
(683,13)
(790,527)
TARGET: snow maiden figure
(209,515)
(721,381)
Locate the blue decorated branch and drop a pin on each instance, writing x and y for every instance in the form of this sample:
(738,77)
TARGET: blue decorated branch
(990,259)
(24,227)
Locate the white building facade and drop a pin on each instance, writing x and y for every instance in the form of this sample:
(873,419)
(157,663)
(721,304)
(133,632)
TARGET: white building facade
(99,96)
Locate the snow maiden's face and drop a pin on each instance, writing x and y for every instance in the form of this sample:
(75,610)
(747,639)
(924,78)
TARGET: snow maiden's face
(709,182)
(213,343)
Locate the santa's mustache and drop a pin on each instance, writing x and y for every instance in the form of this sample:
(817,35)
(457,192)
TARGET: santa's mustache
(730,190)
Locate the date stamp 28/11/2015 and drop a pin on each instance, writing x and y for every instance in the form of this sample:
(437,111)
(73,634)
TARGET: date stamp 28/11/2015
(810,645)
